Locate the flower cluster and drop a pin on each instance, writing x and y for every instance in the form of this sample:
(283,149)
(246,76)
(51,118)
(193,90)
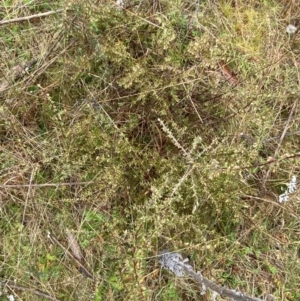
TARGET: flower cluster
(291,187)
(290,29)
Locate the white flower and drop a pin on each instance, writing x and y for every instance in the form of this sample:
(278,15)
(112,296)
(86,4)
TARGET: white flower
(291,187)
(120,3)
(11,297)
(290,29)
(283,197)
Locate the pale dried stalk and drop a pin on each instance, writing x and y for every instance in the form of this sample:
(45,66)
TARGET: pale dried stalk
(49,184)
(175,263)
(82,268)
(175,141)
(281,139)
(31,17)
(74,245)
(238,296)
(37,292)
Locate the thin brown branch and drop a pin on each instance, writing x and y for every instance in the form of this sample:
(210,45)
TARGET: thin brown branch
(278,137)
(49,184)
(175,263)
(82,268)
(238,296)
(271,161)
(26,18)
(281,138)
(13,286)
(74,245)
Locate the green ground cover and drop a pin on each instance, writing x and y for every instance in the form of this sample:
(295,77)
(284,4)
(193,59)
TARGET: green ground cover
(146,126)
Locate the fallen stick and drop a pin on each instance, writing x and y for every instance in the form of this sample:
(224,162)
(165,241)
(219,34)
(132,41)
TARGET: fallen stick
(175,263)
(37,292)
(49,184)
(82,268)
(20,19)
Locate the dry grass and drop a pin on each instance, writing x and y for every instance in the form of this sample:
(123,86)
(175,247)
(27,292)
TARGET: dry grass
(167,124)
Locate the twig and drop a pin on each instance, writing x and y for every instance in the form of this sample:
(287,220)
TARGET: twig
(74,245)
(4,22)
(49,184)
(281,139)
(28,289)
(27,197)
(238,296)
(285,129)
(82,268)
(269,162)
(278,137)
(182,179)
(175,263)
